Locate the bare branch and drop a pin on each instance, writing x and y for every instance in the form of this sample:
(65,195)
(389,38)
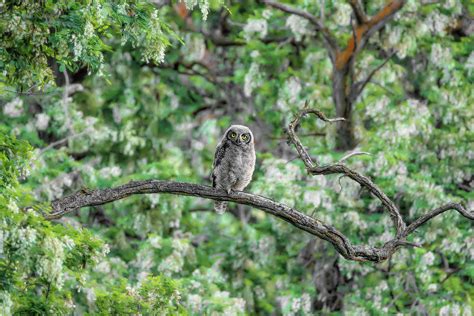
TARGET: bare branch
(423,219)
(304,222)
(330,42)
(364,181)
(292,134)
(359,13)
(63,140)
(355,153)
(339,168)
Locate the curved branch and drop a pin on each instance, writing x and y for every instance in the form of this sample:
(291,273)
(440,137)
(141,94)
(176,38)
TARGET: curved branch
(424,218)
(340,168)
(302,221)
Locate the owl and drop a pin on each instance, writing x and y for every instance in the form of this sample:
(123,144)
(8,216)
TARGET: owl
(234,162)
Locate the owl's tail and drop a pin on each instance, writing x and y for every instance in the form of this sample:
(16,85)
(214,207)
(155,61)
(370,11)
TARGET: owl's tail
(220,207)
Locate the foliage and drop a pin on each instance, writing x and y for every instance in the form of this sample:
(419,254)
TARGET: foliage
(75,35)
(141,115)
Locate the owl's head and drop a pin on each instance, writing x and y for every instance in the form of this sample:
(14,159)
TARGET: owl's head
(239,135)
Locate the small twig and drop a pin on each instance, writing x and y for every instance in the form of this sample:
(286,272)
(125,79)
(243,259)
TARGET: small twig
(359,86)
(62,141)
(449,206)
(302,135)
(339,181)
(322,4)
(355,153)
(409,244)
(448,275)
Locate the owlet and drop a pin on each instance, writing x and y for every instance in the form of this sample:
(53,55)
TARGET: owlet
(234,162)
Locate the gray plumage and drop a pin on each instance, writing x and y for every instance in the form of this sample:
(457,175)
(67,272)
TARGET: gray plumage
(234,162)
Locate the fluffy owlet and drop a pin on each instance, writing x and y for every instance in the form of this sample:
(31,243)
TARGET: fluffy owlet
(234,162)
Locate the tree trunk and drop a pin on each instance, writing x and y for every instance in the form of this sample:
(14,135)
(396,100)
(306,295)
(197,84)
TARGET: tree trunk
(345,139)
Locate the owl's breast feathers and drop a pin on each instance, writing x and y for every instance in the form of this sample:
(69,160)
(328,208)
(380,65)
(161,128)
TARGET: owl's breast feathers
(233,166)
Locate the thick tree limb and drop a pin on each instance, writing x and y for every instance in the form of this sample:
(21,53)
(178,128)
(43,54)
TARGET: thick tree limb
(364,32)
(330,42)
(313,226)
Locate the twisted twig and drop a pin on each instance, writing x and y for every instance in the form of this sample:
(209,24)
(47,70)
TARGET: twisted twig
(339,167)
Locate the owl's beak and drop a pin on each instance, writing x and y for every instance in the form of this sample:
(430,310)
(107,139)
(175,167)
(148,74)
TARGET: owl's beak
(238,141)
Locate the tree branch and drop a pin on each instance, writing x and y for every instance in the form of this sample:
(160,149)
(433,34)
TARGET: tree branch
(342,244)
(365,31)
(330,42)
(359,13)
(423,219)
(313,226)
(340,168)
(359,86)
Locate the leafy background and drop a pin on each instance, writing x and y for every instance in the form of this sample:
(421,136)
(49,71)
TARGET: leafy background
(95,94)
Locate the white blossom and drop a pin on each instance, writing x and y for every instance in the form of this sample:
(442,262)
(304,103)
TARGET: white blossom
(6,303)
(428,258)
(89,30)
(42,121)
(437,23)
(13,108)
(343,14)
(440,56)
(194,303)
(253,79)
(298,26)
(312,198)
(255,27)
(267,14)
(110,172)
(469,64)
(203,4)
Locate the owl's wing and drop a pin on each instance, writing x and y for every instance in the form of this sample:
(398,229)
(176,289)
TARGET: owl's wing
(218,156)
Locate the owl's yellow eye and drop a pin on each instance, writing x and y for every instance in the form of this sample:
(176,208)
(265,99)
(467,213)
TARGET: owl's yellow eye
(244,137)
(233,135)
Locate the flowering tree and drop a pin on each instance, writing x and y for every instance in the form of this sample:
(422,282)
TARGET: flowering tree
(95,96)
